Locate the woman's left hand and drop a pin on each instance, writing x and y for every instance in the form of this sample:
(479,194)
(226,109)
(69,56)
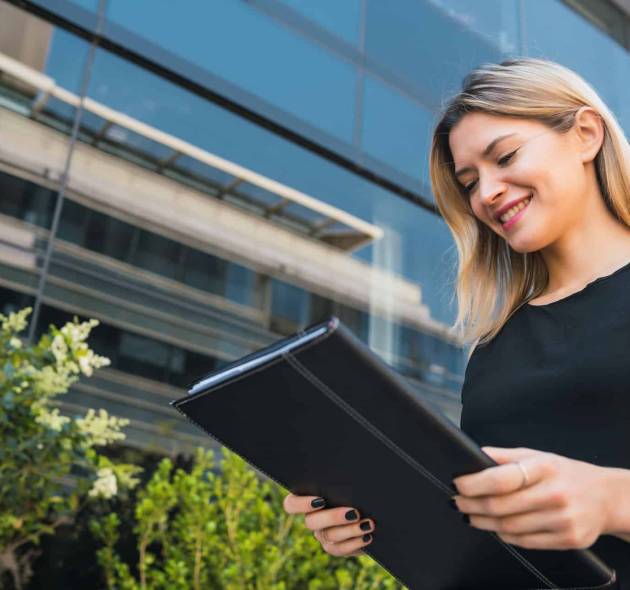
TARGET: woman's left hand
(566,504)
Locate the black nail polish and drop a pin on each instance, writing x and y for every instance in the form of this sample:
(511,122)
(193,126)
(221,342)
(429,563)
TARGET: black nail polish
(318,502)
(365,526)
(366,538)
(453,505)
(466,518)
(351,515)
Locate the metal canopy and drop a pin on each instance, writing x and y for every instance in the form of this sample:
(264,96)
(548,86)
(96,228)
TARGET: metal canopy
(126,137)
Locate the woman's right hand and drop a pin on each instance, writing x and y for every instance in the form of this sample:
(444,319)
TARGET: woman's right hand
(341,531)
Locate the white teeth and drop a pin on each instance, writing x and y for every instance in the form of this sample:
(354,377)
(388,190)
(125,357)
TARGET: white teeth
(514,210)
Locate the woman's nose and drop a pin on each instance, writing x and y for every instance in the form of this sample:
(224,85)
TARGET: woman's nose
(490,190)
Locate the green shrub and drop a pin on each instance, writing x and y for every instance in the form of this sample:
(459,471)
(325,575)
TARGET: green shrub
(227,530)
(49,463)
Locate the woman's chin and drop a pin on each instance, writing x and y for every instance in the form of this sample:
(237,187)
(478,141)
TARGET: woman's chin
(524,244)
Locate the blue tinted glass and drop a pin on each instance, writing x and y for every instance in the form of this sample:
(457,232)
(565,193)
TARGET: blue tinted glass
(157,254)
(204,271)
(496,20)
(420,43)
(340,18)
(80,12)
(234,41)
(396,129)
(91,5)
(241,285)
(74,222)
(26,200)
(66,60)
(290,302)
(583,48)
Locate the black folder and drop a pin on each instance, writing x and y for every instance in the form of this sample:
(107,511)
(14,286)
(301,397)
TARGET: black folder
(321,414)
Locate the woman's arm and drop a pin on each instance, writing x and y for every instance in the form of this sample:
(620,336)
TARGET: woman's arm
(619,487)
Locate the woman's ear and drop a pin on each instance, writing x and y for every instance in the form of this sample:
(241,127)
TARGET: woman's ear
(589,132)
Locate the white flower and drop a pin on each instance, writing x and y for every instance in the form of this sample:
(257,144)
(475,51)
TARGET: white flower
(52,419)
(15,342)
(59,348)
(77,333)
(85,363)
(88,361)
(105,485)
(101,429)
(15,322)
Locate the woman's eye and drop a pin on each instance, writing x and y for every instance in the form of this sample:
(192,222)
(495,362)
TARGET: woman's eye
(506,158)
(502,161)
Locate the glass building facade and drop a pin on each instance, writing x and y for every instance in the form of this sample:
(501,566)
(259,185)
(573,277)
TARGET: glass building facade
(242,169)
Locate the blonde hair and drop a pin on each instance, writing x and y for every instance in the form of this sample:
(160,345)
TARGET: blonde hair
(493,280)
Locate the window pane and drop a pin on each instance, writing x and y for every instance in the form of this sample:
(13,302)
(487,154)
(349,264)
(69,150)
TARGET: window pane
(409,38)
(397,130)
(205,272)
(494,20)
(157,254)
(143,356)
(26,201)
(285,70)
(241,285)
(73,223)
(66,60)
(576,43)
(340,18)
(291,304)
(117,238)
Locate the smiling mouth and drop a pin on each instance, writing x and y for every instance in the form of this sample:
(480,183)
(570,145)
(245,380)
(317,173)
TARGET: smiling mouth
(514,210)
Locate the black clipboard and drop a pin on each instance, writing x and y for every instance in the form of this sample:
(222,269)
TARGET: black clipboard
(321,414)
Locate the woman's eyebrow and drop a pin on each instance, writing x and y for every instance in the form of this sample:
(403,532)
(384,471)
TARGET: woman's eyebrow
(488,149)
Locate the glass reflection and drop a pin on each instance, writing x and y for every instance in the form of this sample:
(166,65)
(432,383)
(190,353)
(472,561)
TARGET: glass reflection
(583,48)
(285,70)
(396,130)
(418,53)
(340,18)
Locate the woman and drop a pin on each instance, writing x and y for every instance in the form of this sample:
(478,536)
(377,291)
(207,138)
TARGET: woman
(531,172)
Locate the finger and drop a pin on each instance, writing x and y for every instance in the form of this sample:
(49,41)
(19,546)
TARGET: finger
(322,519)
(538,497)
(550,521)
(344,548)
(502,479)
(294,504)
(543,541)
(502,455)
(342,532)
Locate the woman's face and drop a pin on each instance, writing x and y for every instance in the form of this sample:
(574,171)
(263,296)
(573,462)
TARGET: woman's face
(537,171)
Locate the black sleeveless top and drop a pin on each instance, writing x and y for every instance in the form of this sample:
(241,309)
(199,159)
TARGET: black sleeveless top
(556,378)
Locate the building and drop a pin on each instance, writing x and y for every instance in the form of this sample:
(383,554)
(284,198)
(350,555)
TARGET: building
(244,168)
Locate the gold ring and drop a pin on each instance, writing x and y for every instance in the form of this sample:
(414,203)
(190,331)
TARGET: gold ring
(525,476)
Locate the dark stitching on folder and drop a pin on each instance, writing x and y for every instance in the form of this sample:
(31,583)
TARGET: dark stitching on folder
(300,368)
